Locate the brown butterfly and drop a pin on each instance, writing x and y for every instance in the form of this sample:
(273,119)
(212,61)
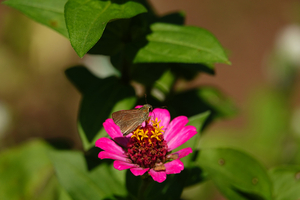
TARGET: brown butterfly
(129,120)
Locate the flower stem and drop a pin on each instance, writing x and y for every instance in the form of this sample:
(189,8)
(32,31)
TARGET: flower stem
(145,183)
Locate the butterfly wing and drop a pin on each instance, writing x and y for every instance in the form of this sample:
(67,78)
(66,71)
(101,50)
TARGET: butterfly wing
(129,120)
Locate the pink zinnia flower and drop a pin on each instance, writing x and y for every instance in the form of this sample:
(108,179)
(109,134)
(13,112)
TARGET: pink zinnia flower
(148,148)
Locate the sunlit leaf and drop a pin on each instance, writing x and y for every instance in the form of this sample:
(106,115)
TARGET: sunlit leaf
(198,120)
(86,20)
(63,195)
(237,175)
(47,12)
(81,183)
(183,44)
(286,182)
(27,173)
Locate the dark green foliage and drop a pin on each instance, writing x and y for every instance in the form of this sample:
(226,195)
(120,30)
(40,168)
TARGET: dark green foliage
(157,53)
(97,93)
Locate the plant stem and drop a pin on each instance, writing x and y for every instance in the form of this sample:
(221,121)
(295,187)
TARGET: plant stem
(145,183)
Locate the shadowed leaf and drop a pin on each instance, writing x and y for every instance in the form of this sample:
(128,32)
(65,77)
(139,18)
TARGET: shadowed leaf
(100,98)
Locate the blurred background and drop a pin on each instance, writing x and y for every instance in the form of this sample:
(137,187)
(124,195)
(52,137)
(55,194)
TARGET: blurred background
(262,39)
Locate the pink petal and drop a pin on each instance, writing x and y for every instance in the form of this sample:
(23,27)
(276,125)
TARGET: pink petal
(112,129)
(120,165)
(162,115)
(184,135)
(175,127)
(115,133)
(108,155)
(138,171)
(138,106)
(174,167)
(158,176)
(109,146)
(182,153)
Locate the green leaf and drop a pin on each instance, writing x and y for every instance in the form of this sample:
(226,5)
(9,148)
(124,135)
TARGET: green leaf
(63,195)
(237,175)
(114,38)
(86,20)
(27,173)
(214,98)
(119,36)
(126,34)
(163,86)
(81,183)
(198,121)
(47,12)
(101,97)
(286,182)
(182,44)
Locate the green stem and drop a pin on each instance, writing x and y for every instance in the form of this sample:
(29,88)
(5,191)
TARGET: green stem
(145,183)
